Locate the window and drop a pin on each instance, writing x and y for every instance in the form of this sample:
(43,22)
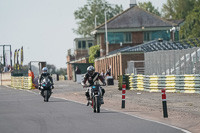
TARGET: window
(116,38)
(127,38)
(111,38)
(90,44)
(119,37)
(147,36)
(98,39)
(79,44)
(83,44)
(153,35)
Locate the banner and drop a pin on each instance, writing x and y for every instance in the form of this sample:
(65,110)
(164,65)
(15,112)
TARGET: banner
(10,58)
(22,56)
(15,55)
(18,59)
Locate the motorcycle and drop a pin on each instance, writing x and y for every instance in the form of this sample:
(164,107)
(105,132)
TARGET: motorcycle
(46,88)
(95,96)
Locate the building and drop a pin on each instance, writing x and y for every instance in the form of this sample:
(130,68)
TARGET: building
(82,45)
(132,27)
(125,31)
(80,55)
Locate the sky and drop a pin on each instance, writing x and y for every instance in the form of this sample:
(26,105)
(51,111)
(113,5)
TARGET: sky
(44,27)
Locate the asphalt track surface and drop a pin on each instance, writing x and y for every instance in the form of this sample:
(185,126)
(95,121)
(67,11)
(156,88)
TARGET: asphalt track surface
(24,111)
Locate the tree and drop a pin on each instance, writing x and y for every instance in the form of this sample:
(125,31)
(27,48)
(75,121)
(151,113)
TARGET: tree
(191,26)
(94,52)
(177,9)
(149,7)
(51,68)
(62,71)
(86,15)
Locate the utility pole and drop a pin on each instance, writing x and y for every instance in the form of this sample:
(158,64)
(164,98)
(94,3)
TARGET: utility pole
(106,31)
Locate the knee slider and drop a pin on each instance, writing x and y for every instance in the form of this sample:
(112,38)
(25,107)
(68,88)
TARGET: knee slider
(87,94)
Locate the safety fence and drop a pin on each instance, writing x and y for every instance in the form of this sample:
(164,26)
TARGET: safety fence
(21,82)
(172,83)
(5,78)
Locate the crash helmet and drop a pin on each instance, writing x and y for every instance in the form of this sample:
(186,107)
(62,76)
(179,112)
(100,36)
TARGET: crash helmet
(44,70)
(90,70)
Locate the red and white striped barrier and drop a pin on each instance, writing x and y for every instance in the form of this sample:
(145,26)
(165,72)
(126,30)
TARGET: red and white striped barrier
(164,103)
(123,95)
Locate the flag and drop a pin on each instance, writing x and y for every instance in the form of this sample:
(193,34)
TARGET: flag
(18,59)
(22,56)
(15,54)
(11,58)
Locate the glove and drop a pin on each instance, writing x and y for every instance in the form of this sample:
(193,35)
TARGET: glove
(52,87)
(84,85)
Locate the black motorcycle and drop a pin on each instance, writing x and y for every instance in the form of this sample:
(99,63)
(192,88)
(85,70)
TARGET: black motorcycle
(46,88)
(95,96)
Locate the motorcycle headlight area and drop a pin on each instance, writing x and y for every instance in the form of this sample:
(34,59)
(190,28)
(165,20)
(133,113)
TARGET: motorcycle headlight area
(43,84)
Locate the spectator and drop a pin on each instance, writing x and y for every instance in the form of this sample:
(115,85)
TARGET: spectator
(103,73)
(31,74)
(10,68)
(108,72)
(77,71)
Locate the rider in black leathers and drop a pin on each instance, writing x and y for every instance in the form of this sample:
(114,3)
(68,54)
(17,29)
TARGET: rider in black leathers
(90,76)
(42,76)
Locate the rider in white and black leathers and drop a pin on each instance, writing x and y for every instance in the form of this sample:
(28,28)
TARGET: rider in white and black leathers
(43,75)
(89,76)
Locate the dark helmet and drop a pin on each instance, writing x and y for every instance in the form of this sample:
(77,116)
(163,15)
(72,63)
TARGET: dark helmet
(90,70)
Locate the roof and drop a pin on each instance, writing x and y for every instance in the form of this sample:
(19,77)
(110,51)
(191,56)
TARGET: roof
(157,45)
(177,21)
(118,50)
(86,38)
(136,17)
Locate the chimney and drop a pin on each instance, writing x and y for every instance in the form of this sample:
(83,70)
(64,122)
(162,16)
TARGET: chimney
(133,3)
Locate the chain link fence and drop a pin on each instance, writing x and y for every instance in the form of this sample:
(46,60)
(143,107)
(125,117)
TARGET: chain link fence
(165,62)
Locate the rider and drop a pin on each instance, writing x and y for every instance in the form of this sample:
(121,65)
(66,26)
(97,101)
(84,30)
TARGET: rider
(42,76)
(90,76)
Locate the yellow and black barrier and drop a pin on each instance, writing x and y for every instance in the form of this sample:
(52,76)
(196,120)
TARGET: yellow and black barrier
(61,77)
(21,82)
(172,83)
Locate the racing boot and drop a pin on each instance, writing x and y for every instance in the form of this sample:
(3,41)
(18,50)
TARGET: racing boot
(88,101)
(101,100)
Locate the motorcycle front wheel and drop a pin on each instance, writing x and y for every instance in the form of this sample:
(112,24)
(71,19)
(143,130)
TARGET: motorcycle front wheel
(94,104)
(46,96)
(97,102)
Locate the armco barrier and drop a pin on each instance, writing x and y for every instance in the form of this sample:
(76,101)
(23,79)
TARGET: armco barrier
(21,82)
(172,83)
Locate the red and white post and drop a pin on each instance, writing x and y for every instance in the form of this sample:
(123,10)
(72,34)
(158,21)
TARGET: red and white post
(123,95)
(164,103)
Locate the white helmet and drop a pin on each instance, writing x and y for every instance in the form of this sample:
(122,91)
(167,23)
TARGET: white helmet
(44,69)
(90,70)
